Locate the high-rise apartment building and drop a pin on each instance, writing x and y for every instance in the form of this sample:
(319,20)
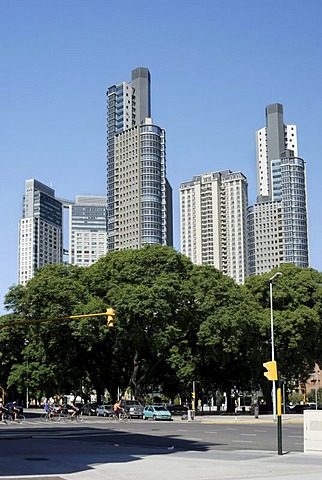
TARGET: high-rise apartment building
(87,229)
(40,230)
(278,223)
(139,197)
(213,221)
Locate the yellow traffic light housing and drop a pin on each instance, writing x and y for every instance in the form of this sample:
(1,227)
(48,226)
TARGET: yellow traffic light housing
(110,313)
(271,368)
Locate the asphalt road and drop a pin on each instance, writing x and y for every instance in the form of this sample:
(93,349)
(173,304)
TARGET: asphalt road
(197,436)
(99,448)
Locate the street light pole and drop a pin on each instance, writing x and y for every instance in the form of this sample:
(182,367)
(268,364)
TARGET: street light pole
(27,375)
(272,338)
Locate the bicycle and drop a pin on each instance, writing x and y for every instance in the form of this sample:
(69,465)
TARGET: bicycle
(122,416)
(78,417)
(20,418)
(50,416)
(7,418)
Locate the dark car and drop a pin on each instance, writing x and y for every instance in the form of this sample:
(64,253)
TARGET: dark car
(133,408)
(177,409)
(297,408)
(89,409)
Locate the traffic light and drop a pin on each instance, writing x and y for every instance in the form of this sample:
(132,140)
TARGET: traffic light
(110,313)
(271,368)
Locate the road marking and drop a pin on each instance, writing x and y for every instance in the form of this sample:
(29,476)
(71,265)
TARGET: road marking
(242,441)
(248,434)
(295,436)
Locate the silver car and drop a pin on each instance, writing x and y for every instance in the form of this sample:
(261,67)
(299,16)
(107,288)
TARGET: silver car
(105,410)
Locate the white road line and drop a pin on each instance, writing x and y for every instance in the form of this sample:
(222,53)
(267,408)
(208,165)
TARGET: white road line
(248,434)
(242,441)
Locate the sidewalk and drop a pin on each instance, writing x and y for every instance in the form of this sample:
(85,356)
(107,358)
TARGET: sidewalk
(124,462)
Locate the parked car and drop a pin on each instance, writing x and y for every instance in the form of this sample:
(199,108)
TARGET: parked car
(177,409)
(133,408)
(295,408)
(89,409)
(312,406)
(105,410)
(156,412)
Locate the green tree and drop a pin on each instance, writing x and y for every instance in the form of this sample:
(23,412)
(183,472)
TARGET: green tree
(148,290)
(297,317)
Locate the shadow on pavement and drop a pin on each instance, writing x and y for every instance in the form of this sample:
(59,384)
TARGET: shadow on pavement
(72,450)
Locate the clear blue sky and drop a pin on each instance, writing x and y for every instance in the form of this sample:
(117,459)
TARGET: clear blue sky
(215,65)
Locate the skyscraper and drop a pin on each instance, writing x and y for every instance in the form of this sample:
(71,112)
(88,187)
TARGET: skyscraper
(277,224)
(139,197)
(40,230)
(87,230)
(213,221)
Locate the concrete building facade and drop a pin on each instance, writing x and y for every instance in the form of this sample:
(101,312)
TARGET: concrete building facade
(278,223)
(87,230)
(213,221)
(139,197)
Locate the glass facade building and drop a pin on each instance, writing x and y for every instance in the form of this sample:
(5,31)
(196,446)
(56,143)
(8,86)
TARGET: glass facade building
(87,230)
(40,230)
(278,223)
(139,197)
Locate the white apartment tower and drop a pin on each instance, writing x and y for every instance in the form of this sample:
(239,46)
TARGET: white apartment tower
(87,230)
(278,223)
(213,221)
(40,230)
(139,197)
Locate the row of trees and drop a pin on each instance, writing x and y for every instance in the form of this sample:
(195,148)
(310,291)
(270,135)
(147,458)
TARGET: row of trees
(175,322)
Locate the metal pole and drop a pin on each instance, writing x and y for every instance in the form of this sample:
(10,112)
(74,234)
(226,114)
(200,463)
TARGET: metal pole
(279,420)
(272,344)
(272,338)
(194,397)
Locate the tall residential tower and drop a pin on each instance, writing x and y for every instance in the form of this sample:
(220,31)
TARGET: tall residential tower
(139,197)
(40,230)
(278,223)
(213,221)
(87,230)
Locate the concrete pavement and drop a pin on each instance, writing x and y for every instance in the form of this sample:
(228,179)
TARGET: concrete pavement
(158,464)
(96,462)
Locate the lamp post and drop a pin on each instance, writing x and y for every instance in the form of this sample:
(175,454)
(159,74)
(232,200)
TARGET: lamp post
(277,274)
(27,376)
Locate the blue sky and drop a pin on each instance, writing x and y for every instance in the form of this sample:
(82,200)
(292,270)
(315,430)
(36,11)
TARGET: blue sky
(214,65)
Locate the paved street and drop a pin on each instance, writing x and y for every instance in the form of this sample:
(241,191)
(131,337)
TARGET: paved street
(206,449)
